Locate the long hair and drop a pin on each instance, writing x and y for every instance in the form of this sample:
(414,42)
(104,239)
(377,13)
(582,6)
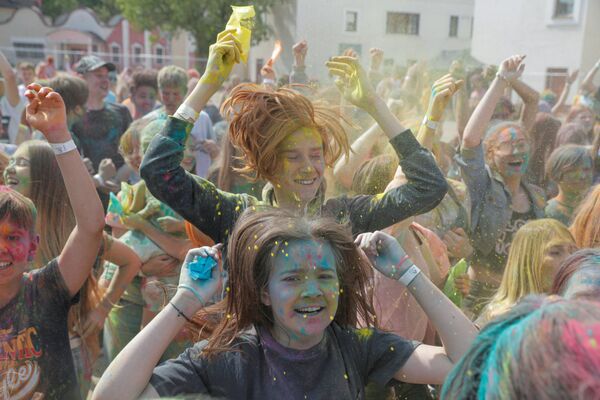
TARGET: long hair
(261,119)
(585,262)
(256,237)
(544,348)
(523,274)
(55,223)
(225,169)
(586,223)
(543,136)
(48,192)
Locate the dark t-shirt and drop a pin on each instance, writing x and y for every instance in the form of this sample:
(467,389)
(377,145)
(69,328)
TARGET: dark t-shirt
(35,355)
(337,368)
(99,132)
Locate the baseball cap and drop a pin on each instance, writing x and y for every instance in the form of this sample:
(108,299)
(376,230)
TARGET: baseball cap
(92,63)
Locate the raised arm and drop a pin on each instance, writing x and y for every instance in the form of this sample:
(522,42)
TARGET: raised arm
(562,99)
(428,364)
(531,99)
(587,85)
(129,265)
(441,92)
(510,71)
(362,149)
(46,113)
(11,89)
(195,199)
(129,374)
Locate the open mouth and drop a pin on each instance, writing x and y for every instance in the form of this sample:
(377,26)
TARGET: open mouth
(309,311)
(5,265)
(306,182)
(11,181)
(516,164)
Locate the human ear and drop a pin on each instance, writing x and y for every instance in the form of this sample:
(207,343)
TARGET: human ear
(265,298)
(35,242)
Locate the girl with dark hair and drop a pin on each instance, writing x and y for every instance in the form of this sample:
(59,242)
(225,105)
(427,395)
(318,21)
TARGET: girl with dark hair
(297,292)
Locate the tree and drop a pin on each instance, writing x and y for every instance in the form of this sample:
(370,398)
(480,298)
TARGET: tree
(202,19)
(104,9)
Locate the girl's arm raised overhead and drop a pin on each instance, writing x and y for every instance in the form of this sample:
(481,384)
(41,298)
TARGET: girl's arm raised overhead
(46,113)
(510,71)
(427,364)
(128,376)
(195,199)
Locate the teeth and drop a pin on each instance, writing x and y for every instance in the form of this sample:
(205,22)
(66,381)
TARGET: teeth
(4,264)
(305,181)
(309,309)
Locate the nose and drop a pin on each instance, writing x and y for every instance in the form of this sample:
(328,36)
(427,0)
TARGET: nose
(311,289)
(308,166)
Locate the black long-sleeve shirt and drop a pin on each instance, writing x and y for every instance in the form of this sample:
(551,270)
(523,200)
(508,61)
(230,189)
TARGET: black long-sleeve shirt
(215,212)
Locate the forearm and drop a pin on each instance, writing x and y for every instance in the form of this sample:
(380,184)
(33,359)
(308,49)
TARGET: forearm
(389,124)
(361,149)
(482,115)
(173,246)
(530,98)
(461,112)
(426,136)
(129,265)
(562,99)
(200,96)
(455,329)
(11,90)
(128,375)
(588,82)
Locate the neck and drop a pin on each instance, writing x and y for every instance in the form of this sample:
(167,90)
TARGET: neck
(95,103)
(512,183)
(294,205)
(8,292)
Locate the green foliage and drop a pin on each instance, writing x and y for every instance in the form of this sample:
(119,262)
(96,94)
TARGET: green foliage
(105,9)
(203,19)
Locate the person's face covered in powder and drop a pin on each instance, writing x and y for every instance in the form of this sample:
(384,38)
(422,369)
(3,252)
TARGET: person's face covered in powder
(511,152)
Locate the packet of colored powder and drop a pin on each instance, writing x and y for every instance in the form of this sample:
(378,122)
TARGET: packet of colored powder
(242,20)
(200,268)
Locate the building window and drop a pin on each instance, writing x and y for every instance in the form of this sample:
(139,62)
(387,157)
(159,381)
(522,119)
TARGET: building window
(137,54)
(556,79)
(160,54)
(94,48)
(453,26)
(351,21)
(115,53)
(259,64)
(29,51)
(564,9)
(402,23)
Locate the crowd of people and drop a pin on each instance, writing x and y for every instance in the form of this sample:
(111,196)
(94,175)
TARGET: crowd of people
(392,233)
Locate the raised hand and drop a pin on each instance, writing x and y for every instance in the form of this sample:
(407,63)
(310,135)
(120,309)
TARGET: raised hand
(46,113)
(202,290)
(268,73)
(222,56)
(300,49)
(352,81)
(512,68)
(442,91)
(385,253)
(376,58)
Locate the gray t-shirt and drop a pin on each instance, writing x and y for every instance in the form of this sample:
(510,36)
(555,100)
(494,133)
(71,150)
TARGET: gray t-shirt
(260,368)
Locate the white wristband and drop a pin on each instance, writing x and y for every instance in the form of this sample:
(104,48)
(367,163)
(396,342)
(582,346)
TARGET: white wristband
(186,113)
(430,124)
(268,81)
(62,148)
(409,275)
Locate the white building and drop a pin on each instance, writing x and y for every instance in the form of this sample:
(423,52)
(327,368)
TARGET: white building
(556,35)
(406,30)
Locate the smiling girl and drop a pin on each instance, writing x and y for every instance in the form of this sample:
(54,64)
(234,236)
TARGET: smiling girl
(288,328)
(288,141)
(493,170)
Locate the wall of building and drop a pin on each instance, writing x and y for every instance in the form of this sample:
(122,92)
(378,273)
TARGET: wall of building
(322,24)
(506,27)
